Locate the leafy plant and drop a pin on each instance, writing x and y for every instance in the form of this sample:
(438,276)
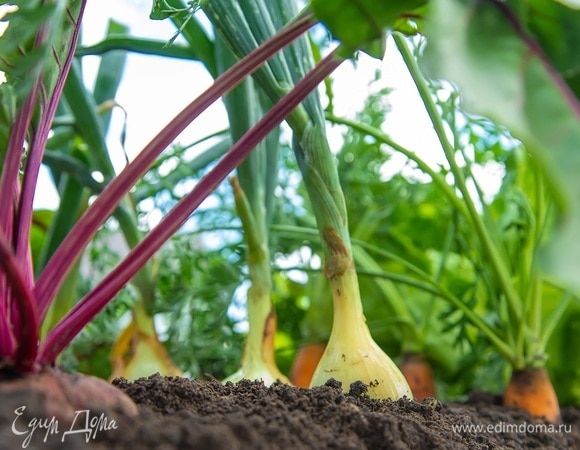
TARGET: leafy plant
(485,263)
(351,353)
(507,234)
(46,60)
(526,78)
(513,88)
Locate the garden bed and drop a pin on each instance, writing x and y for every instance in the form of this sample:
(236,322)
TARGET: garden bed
(177,413)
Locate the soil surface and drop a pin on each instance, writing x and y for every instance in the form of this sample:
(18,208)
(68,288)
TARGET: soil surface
(177,413)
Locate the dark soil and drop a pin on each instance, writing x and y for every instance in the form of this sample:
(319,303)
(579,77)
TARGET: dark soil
(177,413)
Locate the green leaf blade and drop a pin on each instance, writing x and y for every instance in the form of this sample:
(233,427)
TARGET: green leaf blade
(359,24)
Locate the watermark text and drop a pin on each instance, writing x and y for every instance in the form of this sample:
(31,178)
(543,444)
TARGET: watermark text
(84,422)
(505,427)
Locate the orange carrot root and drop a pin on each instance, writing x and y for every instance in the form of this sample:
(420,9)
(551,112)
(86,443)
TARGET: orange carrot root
(531,390)
(418,373)
(305,364)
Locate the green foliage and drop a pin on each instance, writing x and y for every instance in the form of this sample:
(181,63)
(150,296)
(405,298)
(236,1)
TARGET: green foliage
(162,10)
(562,364)
(41,221)
(407,225)
(555,27)
(361,24)
(21,61)
(511,60)
(90,350)
(28,61)
(195,288)
(291,302)
(24,58)
(188,26)
(7,115)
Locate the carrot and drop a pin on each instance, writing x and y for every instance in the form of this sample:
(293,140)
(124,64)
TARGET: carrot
(417,371)
(531,390)
(305,363)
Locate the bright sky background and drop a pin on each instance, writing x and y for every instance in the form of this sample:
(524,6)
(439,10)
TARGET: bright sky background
(155,89)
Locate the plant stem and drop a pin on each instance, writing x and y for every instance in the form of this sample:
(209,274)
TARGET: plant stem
(258,361)
(34,160)
(26,328)
(136,45)
(427,319)
(552,321)
(56,269)
(95,300)
(498,265)
(446,189)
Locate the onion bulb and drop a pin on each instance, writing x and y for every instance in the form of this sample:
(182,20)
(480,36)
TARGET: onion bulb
(351,354)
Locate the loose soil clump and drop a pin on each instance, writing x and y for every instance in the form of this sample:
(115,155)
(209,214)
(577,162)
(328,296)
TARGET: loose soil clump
(178,413)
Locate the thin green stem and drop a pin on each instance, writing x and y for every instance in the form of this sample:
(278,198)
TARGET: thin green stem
(258,358)
(498,265)
(426,319)
(554,318)
(437,178)
(534,326)
(136,45)
(535,305)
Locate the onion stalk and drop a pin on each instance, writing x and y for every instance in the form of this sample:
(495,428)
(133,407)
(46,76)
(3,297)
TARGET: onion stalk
(258,362)
(352,354)
(253,189)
